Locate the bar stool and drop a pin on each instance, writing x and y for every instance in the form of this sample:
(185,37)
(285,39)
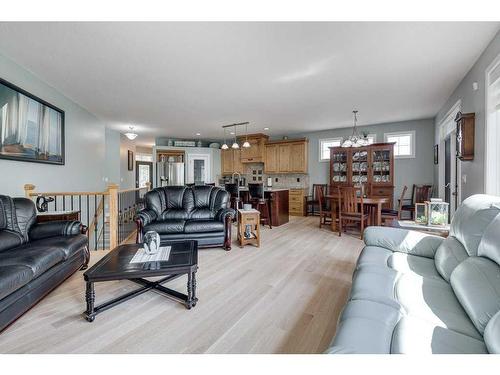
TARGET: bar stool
(260,203)
(232,189)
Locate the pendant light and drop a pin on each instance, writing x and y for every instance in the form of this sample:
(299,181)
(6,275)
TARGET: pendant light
(131,135)
(355,140)
(224,145)
(246,144)
(235,145)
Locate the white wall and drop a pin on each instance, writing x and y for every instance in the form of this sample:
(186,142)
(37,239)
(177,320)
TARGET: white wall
(127,178)
(85,144)
(113,161)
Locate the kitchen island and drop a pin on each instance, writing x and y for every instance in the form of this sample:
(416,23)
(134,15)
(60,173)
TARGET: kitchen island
(278,203)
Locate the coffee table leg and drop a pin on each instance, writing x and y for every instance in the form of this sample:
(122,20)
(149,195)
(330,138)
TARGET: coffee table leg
(90,297)
(191,286)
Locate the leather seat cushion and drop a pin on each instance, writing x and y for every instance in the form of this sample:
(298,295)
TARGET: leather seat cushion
(492,334)
(202,214)
(166,226)
(415,336)
(9,239)
(194,226)
(429,299)
(69,245)
(13,277)
(365,327)
(38,257)
(174,214)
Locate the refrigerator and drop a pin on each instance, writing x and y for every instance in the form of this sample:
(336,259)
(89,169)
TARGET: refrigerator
(170,173)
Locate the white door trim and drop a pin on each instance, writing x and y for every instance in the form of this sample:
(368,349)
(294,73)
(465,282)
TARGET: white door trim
(190,166)
(489,140)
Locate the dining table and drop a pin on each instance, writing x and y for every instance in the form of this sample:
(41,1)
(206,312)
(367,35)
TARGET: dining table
(374,203)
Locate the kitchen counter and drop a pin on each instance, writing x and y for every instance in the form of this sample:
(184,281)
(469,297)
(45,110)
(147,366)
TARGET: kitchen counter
(278,204)
(244,188)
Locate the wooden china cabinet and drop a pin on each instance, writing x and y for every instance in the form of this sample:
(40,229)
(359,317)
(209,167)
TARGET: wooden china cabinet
(372,166)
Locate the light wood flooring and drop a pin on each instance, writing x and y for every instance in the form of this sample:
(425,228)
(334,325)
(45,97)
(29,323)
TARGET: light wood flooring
(284,297)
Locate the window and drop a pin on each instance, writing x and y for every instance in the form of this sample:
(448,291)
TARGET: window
(405,143)
(492,173)
(143,157)
(324,147)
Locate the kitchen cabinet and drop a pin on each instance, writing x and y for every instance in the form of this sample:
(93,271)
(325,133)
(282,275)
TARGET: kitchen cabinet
(231,161)
(297,202)
(287,156)
(254,153)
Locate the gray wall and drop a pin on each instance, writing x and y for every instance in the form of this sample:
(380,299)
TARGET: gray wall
(127,178)
(85,144)
(113,162)
(418,170)
(472,101)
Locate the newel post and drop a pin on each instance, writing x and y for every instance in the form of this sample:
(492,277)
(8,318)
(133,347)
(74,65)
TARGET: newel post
(28,190)
(113,215)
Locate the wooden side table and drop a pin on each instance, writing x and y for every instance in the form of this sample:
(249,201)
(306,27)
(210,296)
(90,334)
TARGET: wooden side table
(252,218)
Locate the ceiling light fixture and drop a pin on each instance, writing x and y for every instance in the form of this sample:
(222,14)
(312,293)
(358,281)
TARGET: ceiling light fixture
(266,128)
(355,139)
(198,134)
(224,145)
(235,144)
(131,135)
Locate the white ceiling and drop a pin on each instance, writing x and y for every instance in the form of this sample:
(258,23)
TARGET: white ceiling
(177,79)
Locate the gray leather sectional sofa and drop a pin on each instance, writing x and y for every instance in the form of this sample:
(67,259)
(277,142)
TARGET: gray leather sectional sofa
(416,293)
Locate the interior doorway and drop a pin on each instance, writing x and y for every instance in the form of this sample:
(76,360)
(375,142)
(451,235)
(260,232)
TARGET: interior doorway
(451,172)
(143,173)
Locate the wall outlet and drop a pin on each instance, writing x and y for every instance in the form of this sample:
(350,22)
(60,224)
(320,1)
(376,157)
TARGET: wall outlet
(276,179)
(298,179)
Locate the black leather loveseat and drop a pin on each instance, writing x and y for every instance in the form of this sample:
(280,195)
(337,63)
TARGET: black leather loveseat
(178,212)
(34,258)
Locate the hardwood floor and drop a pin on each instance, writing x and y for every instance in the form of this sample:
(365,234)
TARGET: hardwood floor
(283,297)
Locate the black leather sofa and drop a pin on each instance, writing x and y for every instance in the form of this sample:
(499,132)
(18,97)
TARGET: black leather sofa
(34,257)
(179,213)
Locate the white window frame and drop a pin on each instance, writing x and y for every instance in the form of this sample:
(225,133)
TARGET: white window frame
(491,177)
(411,133)
(325,140)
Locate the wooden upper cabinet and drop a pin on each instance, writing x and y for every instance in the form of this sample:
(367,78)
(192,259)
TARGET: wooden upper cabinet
(271,159)
(254,153)
(289,156)
(227,161)
(237,165)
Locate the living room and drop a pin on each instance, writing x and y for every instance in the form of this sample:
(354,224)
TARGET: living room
(247,187)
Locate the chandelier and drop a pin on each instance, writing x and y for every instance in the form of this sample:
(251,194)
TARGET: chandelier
(235,144)
(355,139)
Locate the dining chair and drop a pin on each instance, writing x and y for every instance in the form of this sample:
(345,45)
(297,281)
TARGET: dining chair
(391,214)
(420,194)
(260,203)
(325,213)
(312,200)
(352,209)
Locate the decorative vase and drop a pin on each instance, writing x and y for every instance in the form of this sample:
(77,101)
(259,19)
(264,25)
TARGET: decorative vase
(151,242)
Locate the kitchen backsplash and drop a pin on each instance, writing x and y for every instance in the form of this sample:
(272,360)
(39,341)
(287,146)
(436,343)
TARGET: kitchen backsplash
(254,172)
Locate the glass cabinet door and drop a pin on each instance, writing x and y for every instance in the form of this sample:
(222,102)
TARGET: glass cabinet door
(381,167)
(339,166)
(360,166)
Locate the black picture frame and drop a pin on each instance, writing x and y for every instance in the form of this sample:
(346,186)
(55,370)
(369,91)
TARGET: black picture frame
(436,154)
(130,160)
(62,145)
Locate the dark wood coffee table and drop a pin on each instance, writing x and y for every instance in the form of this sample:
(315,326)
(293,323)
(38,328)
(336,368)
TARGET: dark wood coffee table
(116,265)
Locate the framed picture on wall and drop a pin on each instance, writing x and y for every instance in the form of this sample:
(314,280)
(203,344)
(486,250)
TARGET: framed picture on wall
(130,160)
(30,128)
(436,154)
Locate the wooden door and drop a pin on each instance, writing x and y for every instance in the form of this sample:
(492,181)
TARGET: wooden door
(271,159)
(298,157)
(284,158)
(227,161)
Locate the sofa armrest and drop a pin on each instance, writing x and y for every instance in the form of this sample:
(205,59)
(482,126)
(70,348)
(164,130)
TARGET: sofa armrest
(403,241)
(55,229)
(223,213)
(145,217)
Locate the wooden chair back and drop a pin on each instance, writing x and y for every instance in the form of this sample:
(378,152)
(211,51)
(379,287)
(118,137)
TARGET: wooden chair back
(256,191)
(348,199)
(322,187)
(319,193)
(421,193)
(400,201)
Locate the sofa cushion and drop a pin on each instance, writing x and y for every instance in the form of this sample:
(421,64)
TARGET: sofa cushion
(448,256)
(476,283)
(166,226)
(374,255)
(68,245)
(411,264)
(174,214)
(416,336)
(430,299)
(202,214)
(492,334)
(13,277)
(9,239)
(39,257)
(472,218)
(195,226)
(365,327)
(489,247)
